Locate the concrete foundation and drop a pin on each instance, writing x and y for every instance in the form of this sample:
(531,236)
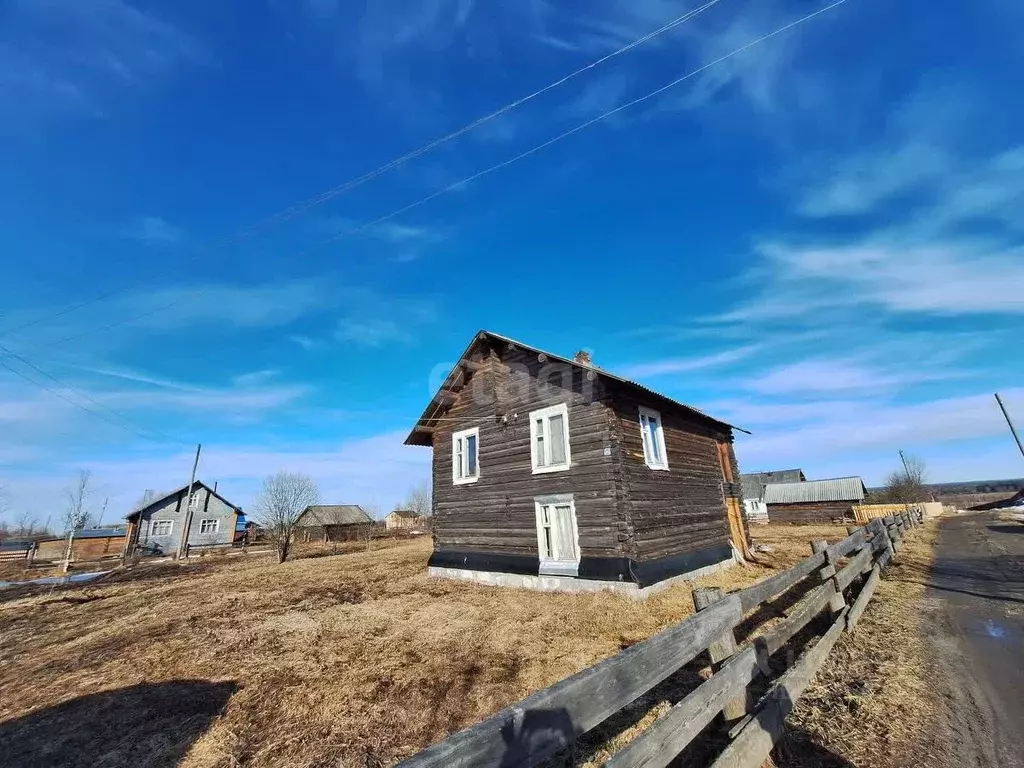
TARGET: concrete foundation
(570,583)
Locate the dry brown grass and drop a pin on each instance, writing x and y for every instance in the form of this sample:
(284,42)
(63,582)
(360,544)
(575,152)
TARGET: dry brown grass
(355,659)
(871,704)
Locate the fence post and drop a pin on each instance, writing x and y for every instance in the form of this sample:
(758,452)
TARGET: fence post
(881,530)
(720,651)
(895,540)
(837,602)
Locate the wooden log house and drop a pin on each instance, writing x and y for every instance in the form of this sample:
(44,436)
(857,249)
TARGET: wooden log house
(553,473)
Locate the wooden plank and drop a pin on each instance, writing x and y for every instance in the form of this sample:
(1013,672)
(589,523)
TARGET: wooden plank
(854,541)
(755,741)
(853,568)
(798,618)
(862,599)
(526,733)
(669,735)
(751,597)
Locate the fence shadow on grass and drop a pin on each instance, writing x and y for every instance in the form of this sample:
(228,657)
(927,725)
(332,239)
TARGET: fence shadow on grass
(147,725)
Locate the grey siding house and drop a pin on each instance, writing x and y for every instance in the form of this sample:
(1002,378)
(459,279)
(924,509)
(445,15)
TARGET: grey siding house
(158,527)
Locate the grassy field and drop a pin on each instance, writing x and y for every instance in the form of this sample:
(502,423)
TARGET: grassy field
(349,659)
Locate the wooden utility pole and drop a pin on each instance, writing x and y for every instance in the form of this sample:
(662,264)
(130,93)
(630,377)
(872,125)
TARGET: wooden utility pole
(183,544)
(1013,429)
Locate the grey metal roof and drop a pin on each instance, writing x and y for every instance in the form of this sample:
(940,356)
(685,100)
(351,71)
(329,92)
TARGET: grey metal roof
(99,533)
(161,497)
(432,409)
(754,482)
(835,489)
(334,514)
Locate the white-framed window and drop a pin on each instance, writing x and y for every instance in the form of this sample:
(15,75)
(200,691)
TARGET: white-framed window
(652,433)
(466,456)
(196,501)
(161,527)
(209,526)
(549,439)
(558,538)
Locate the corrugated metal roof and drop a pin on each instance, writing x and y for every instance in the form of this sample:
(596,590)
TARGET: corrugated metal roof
(416,439)
(334,514)
(836,489)
(99,533)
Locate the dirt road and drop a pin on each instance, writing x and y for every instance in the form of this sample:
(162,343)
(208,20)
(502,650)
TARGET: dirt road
(976,623)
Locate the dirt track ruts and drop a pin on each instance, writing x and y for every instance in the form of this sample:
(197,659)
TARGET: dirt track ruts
(975,625)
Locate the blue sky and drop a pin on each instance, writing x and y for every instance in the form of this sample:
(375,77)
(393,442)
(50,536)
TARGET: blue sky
(818,239)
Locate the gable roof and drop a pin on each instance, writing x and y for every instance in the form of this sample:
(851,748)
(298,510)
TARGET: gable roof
(162,497)
(333,514)
(835,489)
(420,436)
(754,482)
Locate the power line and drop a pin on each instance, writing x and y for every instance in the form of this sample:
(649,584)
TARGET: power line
(305,205)
(523,155)
(124,423)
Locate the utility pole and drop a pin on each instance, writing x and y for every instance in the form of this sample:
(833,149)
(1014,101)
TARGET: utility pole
(99,523)
(1013,429)
(183,544)
(905,467)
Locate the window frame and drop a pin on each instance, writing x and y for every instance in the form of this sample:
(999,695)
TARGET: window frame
(154,523)
(549,566)
(560,409)
(214,520)
(644,417)
(458,435)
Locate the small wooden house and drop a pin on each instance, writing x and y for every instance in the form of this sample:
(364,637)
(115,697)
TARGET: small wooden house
(553,473)
(401,518)
(204,519)
(332,522)
(814,501)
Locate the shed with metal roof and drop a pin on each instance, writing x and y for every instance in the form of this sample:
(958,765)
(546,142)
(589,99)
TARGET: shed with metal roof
(814,501)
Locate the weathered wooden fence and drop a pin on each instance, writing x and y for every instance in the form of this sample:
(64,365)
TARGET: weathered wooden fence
(551,720)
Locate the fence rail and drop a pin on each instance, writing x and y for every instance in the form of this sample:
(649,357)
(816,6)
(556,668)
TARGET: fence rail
(551,720)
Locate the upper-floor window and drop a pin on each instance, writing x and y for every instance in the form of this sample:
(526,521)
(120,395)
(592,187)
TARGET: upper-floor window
(465,456)
(161,528)
(196,501)
(549,438)
(209,526)
(653,434)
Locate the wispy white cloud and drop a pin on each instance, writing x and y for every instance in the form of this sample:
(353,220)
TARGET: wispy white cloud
(687,364)
(827,376)
(878,427)
(68,55)
(153,229)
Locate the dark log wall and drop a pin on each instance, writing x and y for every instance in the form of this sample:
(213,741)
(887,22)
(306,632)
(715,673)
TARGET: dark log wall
(679,510)
(496,514)
(811,512)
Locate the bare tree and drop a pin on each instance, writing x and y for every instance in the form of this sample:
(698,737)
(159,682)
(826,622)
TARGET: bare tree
(419,499)
(366,532)
(26,524)
(77,515)
(279,505)
(906,485)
